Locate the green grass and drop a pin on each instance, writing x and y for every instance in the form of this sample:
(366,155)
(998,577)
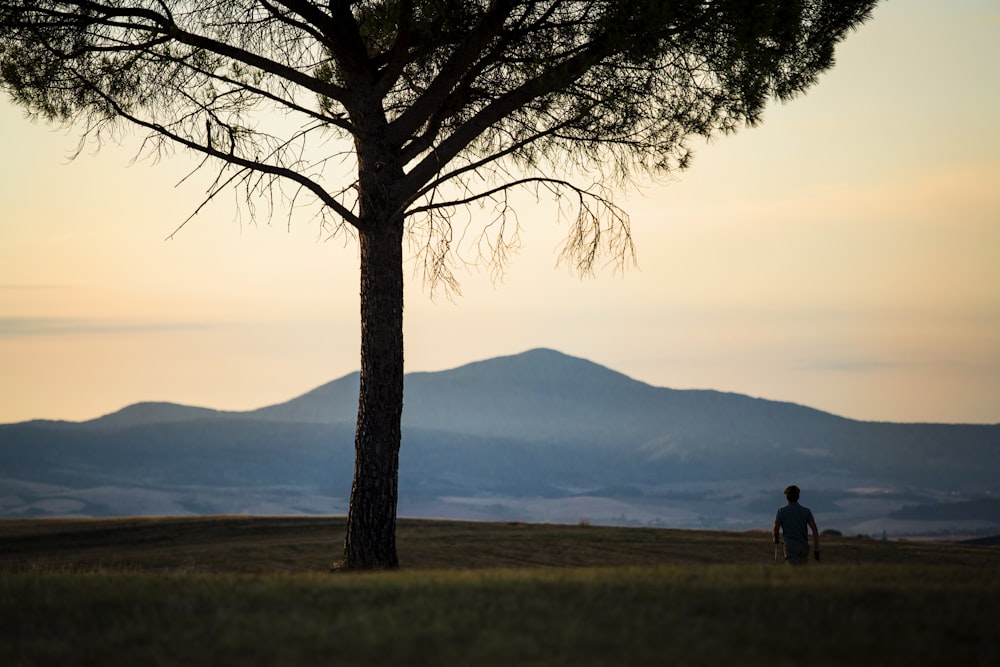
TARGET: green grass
(230,591)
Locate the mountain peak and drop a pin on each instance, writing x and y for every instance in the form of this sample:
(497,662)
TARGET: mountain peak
(539,365)
(151,412)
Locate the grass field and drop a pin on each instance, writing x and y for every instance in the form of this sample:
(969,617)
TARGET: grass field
(257,591)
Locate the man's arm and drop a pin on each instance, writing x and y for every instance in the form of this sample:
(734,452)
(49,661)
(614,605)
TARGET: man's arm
(776,533)
(815,532)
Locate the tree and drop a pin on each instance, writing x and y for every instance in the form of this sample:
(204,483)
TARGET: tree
(438,104)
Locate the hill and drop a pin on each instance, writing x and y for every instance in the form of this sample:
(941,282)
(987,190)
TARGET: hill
(538,436)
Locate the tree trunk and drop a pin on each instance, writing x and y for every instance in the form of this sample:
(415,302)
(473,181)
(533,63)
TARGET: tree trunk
(371,524)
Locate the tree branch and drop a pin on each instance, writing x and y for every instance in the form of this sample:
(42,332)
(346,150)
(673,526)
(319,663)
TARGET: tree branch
(399,53)
(252,165)
(443,84)
(164,24)
(315,20)
(551,80)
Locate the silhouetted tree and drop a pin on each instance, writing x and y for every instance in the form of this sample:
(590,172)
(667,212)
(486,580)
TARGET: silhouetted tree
(441,103)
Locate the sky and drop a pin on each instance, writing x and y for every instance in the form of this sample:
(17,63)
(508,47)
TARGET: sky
(844,254)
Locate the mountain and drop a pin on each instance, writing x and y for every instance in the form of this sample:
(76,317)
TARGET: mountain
(534,436)
(151,413)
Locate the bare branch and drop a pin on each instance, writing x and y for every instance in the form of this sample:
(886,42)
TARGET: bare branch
(252,165)
(596,226)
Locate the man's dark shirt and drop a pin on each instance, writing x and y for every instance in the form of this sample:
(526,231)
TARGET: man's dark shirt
(794,521)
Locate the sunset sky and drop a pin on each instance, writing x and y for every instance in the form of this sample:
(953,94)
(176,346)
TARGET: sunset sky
(843,255)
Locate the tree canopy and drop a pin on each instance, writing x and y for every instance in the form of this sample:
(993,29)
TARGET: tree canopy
(428,105)
(480,94)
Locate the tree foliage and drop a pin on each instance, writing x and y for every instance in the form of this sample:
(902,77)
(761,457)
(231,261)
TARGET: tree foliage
(430,105)
(480,94)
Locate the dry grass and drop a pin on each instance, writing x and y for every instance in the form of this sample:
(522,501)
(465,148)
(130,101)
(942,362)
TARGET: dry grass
(311,544)
(256,591)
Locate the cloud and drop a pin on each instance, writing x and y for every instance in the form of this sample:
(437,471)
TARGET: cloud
(29,327)
(850,366)
(22,287)
(877,366)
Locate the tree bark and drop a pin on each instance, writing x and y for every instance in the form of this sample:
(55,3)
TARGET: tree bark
(371,525)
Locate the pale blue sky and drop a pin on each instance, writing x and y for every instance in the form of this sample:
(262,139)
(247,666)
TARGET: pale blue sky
(844,255)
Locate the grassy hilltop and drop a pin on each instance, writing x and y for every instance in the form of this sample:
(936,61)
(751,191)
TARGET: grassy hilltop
(258,591)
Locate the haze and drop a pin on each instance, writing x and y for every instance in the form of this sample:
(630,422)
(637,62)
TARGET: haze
(843,255)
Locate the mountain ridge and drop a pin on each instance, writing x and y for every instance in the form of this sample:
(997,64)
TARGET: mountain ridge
(315,405)
(534,366)
(539,435)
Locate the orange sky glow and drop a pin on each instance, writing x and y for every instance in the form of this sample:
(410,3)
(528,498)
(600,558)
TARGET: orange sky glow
(844,255)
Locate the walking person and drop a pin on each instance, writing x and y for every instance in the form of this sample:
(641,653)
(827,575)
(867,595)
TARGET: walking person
(792,520)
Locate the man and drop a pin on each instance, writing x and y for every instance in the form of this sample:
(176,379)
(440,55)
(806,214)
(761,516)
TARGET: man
(793,519)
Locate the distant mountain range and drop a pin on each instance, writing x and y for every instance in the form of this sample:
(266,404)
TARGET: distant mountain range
(538,436)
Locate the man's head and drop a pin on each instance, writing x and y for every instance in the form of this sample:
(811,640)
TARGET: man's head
(792,493)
